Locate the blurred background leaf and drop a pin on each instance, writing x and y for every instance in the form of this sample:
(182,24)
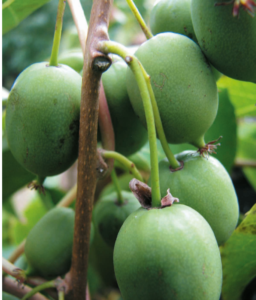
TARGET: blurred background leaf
(247,147)
(242,95)
(239,258)
(14,11)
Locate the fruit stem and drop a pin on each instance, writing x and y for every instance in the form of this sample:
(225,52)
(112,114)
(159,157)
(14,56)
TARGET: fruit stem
(61,295)
(46,285)
(120,199)
(124,161)
(57,34)
(68,198)
(80,21)
(140,19)
(136,67)
(17,252)
(46,200)
(159,126)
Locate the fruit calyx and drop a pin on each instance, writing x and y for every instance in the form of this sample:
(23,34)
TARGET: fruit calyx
(247,5)
(143,193)
(209,148)
(37,185)
(177,169)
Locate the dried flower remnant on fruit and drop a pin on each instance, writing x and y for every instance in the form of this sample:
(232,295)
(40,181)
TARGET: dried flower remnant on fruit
(247,5)
(209,148)
(168,200)
(34,185)
(142,192)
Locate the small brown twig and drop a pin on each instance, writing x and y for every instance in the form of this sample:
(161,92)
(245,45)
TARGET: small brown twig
(106,127)
(11,286)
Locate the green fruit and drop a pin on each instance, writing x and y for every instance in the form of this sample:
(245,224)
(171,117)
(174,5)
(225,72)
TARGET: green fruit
(72,58)
(172,16)
(175,16)
(228,42)
(48,247)
(204,185)
(109,215)
(14,175)
(168,253)
(130,135)
(183,84)
(42,118)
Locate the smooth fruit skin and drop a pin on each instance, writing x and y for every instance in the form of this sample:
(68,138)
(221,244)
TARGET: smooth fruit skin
(109,215)
(172,16)
(168,253)
(175,16)
(42,118)
(228,42)
(183,84)
(204,185)
(72,58)
(130,134)
(48,247)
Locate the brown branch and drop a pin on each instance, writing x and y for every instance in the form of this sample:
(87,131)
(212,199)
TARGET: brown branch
(106,126)
(95,63)
(11,286)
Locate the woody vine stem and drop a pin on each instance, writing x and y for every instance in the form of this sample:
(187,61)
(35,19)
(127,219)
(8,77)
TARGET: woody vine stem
(95,63)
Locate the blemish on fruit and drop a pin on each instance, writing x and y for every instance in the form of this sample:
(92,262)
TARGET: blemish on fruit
(162,85)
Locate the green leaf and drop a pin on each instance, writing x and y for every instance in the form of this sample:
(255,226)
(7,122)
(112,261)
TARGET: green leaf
(14,11)
(247,148)
(239,258)
(13,175)
(228,130)
(242,94)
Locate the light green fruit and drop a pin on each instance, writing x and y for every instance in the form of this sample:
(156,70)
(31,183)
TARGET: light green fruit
(130,134)
(183,84)
(72,58)
(48,247)
(228,42)
(109,215)
(49,244)
(172,16)
(175,16)
(42,118)
(168,253)
(204,185)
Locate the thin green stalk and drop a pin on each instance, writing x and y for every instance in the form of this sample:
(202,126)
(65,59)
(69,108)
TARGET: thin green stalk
(57,34)
(140,19)
(46,285)
(120,199)
(124,161)
(46,200)
(174,163)
(61,295)
(135,65)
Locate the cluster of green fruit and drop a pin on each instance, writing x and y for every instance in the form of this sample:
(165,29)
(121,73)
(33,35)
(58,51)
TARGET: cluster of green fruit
(172,252)
(159,253)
